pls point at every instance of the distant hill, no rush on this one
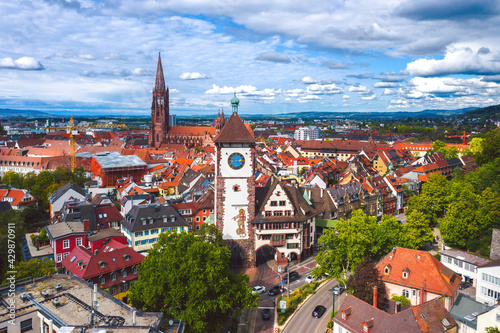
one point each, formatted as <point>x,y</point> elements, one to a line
<point>490,112</point>
<point>6,113</point>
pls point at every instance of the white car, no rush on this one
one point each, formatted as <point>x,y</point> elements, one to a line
<point>258,289</point>
<point>310,279</point>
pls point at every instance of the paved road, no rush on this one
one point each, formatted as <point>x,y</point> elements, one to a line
<point>303,321</point>
<point>268,278</point>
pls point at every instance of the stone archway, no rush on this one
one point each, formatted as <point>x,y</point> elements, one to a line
<point>263,254</point>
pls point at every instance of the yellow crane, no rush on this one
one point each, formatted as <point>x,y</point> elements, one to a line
<point>71,128</point>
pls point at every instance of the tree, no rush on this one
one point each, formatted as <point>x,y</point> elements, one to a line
<point>492,329</point>
<point>490,148</point>
<point>346,246</point>
<point>433,199</point>
<point>187,276</point>
<point>34,269</point>
<point>402,299</point>
<point>12,179</point>
<point>441,147</point>
<point>363,280</point>
<point>11,223</point>
<point>388,235</point>
<point>416,231</point>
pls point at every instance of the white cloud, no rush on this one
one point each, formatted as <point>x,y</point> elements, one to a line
<point>346,97</point>
<point>385,85</point>
<point>457,61</point>
<point>388,91</point>
<point>358,88</point>
<point>369,97</point>
<point>193,76</point>
<point>24,63</point>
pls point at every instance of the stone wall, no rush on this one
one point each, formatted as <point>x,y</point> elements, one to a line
<point>495,245</point>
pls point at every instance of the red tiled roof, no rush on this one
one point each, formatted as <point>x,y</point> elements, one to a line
<point>235,131</point>
<point>191,130</point>
<point>424,271</point>
<point>93,267</point>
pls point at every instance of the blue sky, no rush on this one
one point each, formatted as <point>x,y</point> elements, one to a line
<point>278,56</point>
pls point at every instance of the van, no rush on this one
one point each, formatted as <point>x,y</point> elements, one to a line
<point>293,276</point>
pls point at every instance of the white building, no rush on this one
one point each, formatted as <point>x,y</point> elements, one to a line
<point>488,282</point>
<point>307,133</point>
<point>463,263</point>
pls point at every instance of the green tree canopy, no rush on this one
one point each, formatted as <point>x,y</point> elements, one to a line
<point>490,148</point>
<point>433,199</point>
<point>34,269</point>
<point>347,245</point>
<point>12,179</point>
<point>187,277</point>
<point>416,231</point>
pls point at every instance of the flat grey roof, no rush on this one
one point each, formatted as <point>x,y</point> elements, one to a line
<point>110,160</point>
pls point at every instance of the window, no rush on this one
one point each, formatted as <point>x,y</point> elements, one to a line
<point>79,241</point>
<point>113,276</point>
<point>292,246</point>
<point>211,210</point>
<point>414,293</point>
<point>204,211</point>
<point>103,279</point>
<point>134,270</point>
<point>406,293</point>
<point>124,287</point>
<point>146,233</point>
<point>143,242</point>
<point>65,255</point>
<point>274,203</point>
<point>59,257</point>
<point>204,218</point>
<point>72,259</point>
<point>66,244</point>
<point>277,213</point>
<point>197,227</point>
<point>282,203</point>
<point>26,325</point>
<point>405,275</point>
<point>124,273</point>
<point>114,290</point>
<point>3,329</point>
<point>197,219</point>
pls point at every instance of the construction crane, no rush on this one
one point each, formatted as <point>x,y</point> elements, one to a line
<point>72,128</point>
<point>459,136</point>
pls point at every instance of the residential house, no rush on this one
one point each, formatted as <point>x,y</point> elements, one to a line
<point>354,315</point>
<point>65,236</point>
<point>65,193</point>
<point>18,199</point>
<point>143,223</point>
<point>488,282</point>
<point>463,263</point>
<point>114,266</point>
<point>418,276</point>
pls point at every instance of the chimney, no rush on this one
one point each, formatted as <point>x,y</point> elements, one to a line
<point>96,252</point>
<point>375,296</point>
<point>86,224</point>
<point>422,292</point>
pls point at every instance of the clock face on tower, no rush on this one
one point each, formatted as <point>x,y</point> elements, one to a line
<point>236,161</point>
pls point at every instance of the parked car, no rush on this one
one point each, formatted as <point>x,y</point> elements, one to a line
<point>464,285</point>
<point>266,315</point>
<point>276,290</point>
<point>258,289</point>
<point>310,279</point>
<point>318,311</point>
<point>293,276</point>
<point>337,290</point>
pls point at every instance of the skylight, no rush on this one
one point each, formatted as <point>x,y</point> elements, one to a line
<point>72,259</point>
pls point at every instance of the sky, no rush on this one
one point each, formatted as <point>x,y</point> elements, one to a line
<point>279,56</point>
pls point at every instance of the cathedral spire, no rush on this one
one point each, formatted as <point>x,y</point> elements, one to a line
<point>160,79</point>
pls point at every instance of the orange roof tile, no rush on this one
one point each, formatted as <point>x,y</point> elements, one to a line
<point>423,271</point>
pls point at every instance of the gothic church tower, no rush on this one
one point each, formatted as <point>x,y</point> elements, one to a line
<point>160,111</point>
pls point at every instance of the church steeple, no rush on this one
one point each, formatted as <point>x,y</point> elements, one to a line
<point>160,79</point>
<point>160,109</point>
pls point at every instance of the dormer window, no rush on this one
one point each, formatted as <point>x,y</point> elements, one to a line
<point>165,218</point>
<point>387,269</point>
<point>102,264</point>
<point>406,272</point>
<point>172,218</point>
<point>236,188</point>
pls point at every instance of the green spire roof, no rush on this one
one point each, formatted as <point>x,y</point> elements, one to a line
<point>235,100</point>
